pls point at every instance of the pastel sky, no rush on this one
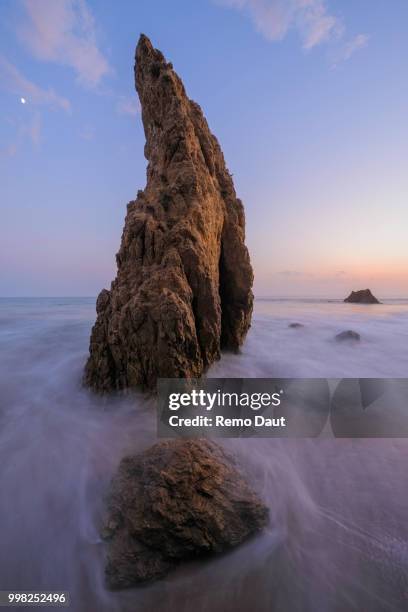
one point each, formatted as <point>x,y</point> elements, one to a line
<point>308,98</point>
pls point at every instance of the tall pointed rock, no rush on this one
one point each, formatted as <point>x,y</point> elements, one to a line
<point>183,286</point>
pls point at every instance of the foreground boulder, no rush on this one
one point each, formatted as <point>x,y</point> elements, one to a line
<point>364,296</point>
<point>178,500</point>
<point>183,285</point>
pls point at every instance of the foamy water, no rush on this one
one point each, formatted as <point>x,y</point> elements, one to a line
<point>275,350</point>
<point>338,535</point>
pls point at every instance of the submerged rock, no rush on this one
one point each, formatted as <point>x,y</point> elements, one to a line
<point>178,500</point>
<point>364,296</point>
<point>348,335</point>
<point>183,285</point>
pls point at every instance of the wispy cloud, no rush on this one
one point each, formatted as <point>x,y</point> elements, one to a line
<point>87,133</point>
<point>63,31</point>
<point>274,19</point>
<point>9,150</point>
<point>294,274</point>
<point>128,106</point>
<point>25,131</point>
<point>289,273</point>
<point>12,80</point>
<point>358,42</point>
<point>312,19</point>
<point>34,130</point>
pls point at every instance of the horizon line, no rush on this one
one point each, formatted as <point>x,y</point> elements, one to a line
<point>256,297</point>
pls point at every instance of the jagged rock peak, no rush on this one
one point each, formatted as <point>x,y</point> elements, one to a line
<point>183,285</point>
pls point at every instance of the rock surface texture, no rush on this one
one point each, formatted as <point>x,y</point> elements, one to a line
<point>183,285</point>
<point>364,296</point>
<point>178,500</point>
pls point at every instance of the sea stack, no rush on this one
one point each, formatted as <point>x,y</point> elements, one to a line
<point>364,296</point>
<point>183,286</point>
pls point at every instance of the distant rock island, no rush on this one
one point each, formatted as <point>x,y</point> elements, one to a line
<point>183,286</point>
<point>364,296</point>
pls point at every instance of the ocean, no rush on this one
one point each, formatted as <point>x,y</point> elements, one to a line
<point>338,534</point>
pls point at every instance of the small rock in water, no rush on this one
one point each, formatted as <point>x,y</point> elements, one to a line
<point>177,500</point>
<point>295,325</point>
<point>364,296</point>
<point>348,335</point>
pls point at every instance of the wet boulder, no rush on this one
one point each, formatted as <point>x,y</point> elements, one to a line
<point>178,500</point>
<point>348,335</point>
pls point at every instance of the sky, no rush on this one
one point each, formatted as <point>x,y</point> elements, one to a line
<point>308,98</point>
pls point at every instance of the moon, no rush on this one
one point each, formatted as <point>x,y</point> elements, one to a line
<point>23,100</point>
